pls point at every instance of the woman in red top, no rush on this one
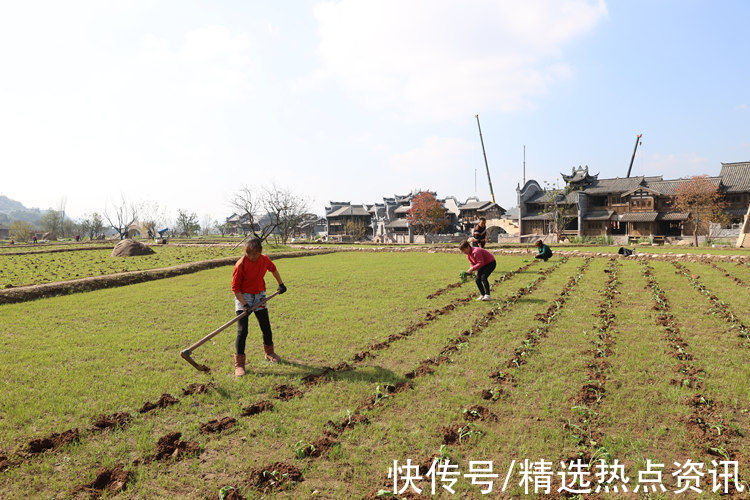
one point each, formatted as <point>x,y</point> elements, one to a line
<point>249,289</point>
<point>483,263</point>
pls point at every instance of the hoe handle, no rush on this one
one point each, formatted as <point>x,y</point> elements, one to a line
<point>228,324</point>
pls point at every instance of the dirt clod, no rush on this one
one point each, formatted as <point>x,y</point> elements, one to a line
<point>197,389</point>
<point>53,441</point>
<point>4,462</point>
<point>477,412</point>
<point>286,392</point>
<point>118,419</point>
<point>256,408</point>
<point>164,401</point>
<point>218,425</point>
<point>170,446</point>
<point>275,477</point>
<point>111,481</point>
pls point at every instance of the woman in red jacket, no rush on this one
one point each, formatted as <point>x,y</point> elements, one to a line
<point>483,263</point>
<point>249,289</point>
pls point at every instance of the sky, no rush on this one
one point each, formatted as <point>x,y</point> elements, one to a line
<point>183,102</point>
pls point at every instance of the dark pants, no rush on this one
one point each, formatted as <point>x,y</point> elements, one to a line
<point>482,274</point>
<point>265,326</point>
<point>544,256</point>
<point>479,243</point>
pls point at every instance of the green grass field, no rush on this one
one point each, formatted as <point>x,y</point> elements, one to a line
<point>34,269</point>
<point>592,359</point>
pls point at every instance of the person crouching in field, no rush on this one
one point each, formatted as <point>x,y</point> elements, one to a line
<point>544,251</point>
<point>249,289</point>
<point>483,263</point>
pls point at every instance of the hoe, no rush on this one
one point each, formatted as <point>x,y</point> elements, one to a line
<point>187,353</point>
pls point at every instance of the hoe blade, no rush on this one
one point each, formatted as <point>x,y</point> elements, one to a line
<point>186,356</point>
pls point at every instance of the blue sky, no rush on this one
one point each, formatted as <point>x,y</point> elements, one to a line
<point>181,102</point>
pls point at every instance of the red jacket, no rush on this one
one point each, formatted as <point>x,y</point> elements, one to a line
<point>248,275</point>
<point>479,257</point>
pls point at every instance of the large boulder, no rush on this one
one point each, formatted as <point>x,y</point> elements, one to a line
<point>130,248</point>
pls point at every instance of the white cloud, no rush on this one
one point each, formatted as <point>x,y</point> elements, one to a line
<point>741,107</point>
<point>444,59</point>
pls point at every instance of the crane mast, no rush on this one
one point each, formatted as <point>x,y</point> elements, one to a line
<point>492,192</point>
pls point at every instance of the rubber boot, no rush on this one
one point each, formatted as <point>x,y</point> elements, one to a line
<point>270,355</point>
<point>239,365</point>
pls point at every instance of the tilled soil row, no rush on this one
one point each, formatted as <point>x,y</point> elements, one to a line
<point>454,433</point>
<point>58,250</point>
<point>326,373</point>
<point>283,393</point>
<point>32,292</point>
<point>334,429</point>
<point>583,424</point>
<point>441,291</point>
<point>706,425</point>
<point>726,273</point>
<point>720,307</point>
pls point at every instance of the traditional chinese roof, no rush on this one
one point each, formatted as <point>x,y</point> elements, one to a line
<point>639,216</point>
<point>599,215</point>
<point>474,205</point>
<point>540,216</point>
<point>579,176</point>
<point>351,210</point>
<point>736,177</point>
<point>403,209</point>
<point>397,223</point>
<point>674,216</point>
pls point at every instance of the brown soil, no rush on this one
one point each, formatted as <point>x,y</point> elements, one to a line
<point>164,401</point>
<point>420,371</point>
<point>111,481</point>
<point>4,462</point>
<point>275,477</point>
<point>450,434</point>
<point>477,412</point>
<point>170,446</point>
<point>487,394</point>
<point>53,441</point>
<point>103,421</point>
<point>219,425</point>
<point>321,445</point>
<point>361,356</point>
<point>256,408</point>
<point>234,495</point>
<point>590,394</point>
<point>317,378</point>
<point>348,422</point>
<point>287,392</point>
<point>198,389</point>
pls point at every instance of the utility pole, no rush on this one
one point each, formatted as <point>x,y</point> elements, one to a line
<point>524,164</point>
<point>632,158</point>
<point>486,166</point>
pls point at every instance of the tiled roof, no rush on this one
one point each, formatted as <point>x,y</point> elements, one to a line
<point>398,223</point>
<point>599,215</point>
<point>403,209</point>
<point>736,176</point>
<point>474,205</point>
<point>673,216</point>
<point>539,216</point>
<point>639,216</point>
<point>352,210</point>
<point>737,211</point>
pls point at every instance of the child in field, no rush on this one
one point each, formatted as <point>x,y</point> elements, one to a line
<point>483,263</point>
<point>480,233</point>
<point>249,289</point>
<point>544,251</point>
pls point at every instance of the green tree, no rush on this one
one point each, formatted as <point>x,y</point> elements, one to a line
<point>20,231</point>
<point>186,224</point>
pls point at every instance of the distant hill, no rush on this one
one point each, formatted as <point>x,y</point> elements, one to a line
<point>12,210</point>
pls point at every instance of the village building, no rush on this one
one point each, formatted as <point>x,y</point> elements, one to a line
<point>387,222</point>
<point>625,208</point>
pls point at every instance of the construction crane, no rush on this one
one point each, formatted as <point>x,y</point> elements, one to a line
<point>492,192</point>
<point>632,158</point>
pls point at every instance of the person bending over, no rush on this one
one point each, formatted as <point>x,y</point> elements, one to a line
<point>482,263</point>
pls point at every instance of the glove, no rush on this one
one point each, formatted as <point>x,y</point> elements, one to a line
<point>282,288</point>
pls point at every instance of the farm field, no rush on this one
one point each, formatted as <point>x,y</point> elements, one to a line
<point>388,358</point>
<point>34,269</point>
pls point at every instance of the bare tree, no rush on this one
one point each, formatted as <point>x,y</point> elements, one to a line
<point>152,216</point>
<point>250,206</point>
<point>284,209</point>
<point>121,215</point>
<point>207,224</point>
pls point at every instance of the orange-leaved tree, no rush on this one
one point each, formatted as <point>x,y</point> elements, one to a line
<point>703,200</point>
<point>426,213</point>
